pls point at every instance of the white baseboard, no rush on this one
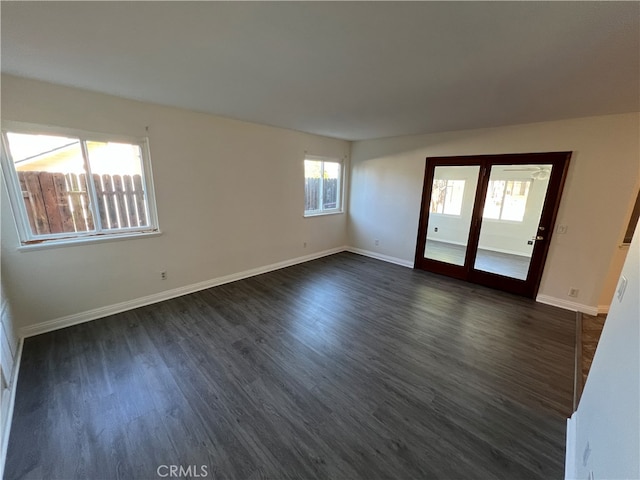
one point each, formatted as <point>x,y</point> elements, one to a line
<point>100,312</point>
<point>6,425</point>
<point>380,256</point>
<point>570,456</point>
<point>567,305</point>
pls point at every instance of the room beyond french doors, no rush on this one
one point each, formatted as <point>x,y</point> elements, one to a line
<point>488,219</point>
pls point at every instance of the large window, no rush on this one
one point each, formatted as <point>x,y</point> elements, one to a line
<point>446,196</point>
<point>507,199</point>
<point>322,186</point>
<point>74,186</point>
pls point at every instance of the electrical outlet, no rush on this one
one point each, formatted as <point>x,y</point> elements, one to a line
<point>435,229</point>
<point>573,292</point>
<point>377,242</point>
<point>163,275</point>
<point>622,286</point>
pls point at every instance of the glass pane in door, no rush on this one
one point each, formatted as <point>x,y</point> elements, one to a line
<point>511,218</point>
<point>452,197</point>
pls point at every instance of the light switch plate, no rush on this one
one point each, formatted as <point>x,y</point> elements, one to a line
<point>622,286</point>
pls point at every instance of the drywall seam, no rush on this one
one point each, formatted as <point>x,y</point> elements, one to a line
<point>100,312</point>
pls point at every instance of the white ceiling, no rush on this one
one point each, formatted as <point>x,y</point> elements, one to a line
<point>351,70</point>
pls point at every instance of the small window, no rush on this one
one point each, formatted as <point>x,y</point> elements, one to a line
<point>507,200</point>
<point>446,197</point>
<point>77,186</point>
<point>322,186</point>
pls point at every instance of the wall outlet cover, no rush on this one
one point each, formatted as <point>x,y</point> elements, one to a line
<point>622,286</point>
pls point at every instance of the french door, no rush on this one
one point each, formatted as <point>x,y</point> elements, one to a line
<point>488,219</point>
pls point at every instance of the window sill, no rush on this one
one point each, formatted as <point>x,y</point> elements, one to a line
<point>68,242</point>
<point>323,214</point>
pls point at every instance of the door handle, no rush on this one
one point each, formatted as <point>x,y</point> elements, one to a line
<point>539,237</point>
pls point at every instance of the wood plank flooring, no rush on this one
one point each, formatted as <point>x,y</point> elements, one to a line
<point>340,368</point>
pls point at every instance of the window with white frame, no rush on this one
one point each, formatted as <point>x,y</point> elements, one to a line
<point>322,185</point>
<point>507,200</point>
<point>447,196</point>
<point>68,185</point>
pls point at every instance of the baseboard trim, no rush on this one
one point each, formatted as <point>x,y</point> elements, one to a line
<point>380,256</point>
<point>6,428</point>
<point>567,305</point>
<point>89,315</point>
<point>603,309</point>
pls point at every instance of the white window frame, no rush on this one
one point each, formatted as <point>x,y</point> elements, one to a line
<point>339,187</point>
<point>444,203</point>
<point>504,194</point>
<point>29,240</point>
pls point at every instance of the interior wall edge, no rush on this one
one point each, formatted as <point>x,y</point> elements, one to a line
<point>96,313</point>
<point>570,462</point>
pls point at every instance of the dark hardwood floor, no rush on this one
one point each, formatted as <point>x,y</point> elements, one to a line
<point>344,367</point>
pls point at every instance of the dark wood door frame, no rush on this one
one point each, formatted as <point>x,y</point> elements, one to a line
<point>528,287</point>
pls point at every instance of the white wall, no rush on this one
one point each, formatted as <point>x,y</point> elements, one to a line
<point>387,176</point>
<point>8,361</point>
<point>616,264</point>
<point>607,422</point>
<point>230,198</point>
<point>8,342</point>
